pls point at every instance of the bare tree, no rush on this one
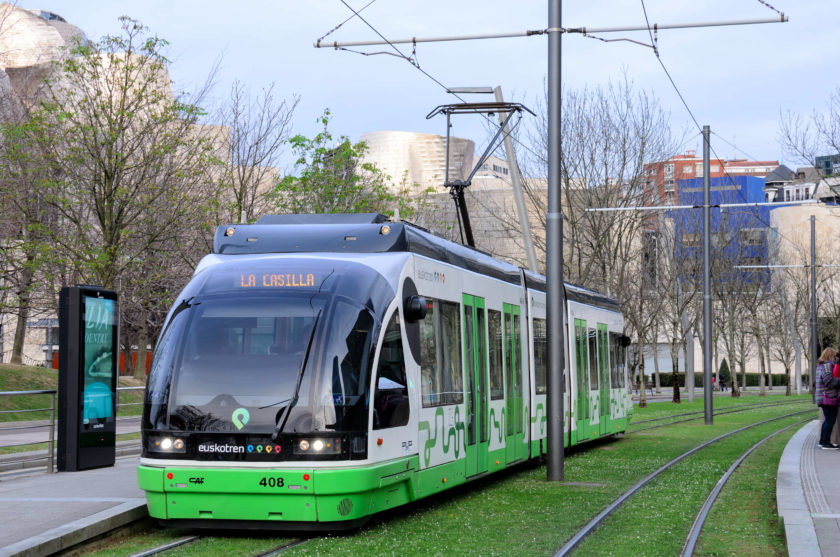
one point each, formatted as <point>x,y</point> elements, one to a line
<point>806,137</point>
<point>258,132</point>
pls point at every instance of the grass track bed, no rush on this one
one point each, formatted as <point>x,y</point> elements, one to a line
<point>656,520</point>
<point>519,513</point>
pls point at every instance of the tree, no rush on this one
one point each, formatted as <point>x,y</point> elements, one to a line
<point>120,143</point>
<point>804,138</point>
<point>333,178</point>
<point>258,131</point>
<point>25,249</point>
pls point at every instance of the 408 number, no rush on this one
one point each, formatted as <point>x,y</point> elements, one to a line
<point>272,482</point>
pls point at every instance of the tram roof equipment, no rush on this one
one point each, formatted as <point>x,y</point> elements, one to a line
<point>374,233</point>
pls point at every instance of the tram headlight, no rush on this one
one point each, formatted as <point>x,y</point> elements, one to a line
<point>318,446</point>
<point>166,444</point>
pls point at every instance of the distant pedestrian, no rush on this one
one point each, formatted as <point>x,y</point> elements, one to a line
<point>827,395</point>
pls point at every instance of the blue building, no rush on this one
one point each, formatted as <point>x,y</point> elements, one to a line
<point>739,235</point>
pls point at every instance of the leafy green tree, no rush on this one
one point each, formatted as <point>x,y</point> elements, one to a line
<point>124,150</point>
<point>723,372</point>
<point>333,177</point>
<point>26,254</point>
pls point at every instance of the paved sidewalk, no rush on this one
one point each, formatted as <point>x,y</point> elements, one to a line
<point>808,495</point>
<point>44,513</point>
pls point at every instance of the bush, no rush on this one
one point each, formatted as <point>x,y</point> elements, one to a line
<point>724,373</point>
<point>666,379</point>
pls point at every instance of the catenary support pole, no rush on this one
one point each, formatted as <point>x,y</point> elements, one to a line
<point>519,197</point>
<point>814,345</point>
<point>707,296</point>
<point>554,248</point>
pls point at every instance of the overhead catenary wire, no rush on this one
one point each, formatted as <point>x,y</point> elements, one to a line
<point>651,32</point>
<point>413,62</point>
<point>337,27</point>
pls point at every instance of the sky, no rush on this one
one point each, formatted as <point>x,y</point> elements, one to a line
<point>736,79</point>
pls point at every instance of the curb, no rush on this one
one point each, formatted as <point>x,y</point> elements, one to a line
<point>78,531</point>
<point>794,514</point>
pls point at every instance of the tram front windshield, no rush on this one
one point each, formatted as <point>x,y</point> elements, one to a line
<point>263,364</point>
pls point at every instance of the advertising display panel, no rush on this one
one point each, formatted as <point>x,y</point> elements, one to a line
<point>88,353</point>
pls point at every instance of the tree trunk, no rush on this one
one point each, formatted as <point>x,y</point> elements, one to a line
<point>657,382</point>
<point>761,388</point>
<point>142,341</point>
<point>642,381</point>
<point>675,376</point>
<point>20,330</point>
<point>26,278</point>
<point>787,380</point>
<point>769,362</point>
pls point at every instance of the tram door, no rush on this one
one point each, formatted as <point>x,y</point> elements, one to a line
<point>475,364</point>
<point>604,375</point>
<point>515,431</point>
<point>586,381</point>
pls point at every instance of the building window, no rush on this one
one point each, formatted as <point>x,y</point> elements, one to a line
<point>669,170</point>
<point>752,236</point>
<point>691,239</point>
<point>688,169</point>
<point>787,195</point>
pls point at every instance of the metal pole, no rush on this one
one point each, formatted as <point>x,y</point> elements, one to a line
<point>814,347</point>
<point>51,444</point>
<point>707,296</point>
<point>535,32</point>
<point>446,175</point>
<point>554,249</point>
<point>516,181</point>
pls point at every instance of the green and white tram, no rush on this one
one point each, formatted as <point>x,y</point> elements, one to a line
<point>319,369</point>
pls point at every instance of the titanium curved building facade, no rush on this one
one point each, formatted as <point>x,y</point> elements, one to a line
<point>417,161</point>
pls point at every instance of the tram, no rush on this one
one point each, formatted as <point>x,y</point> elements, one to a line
<point>319,369</point>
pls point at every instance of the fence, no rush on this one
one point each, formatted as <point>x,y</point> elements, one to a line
<point>34,456</point>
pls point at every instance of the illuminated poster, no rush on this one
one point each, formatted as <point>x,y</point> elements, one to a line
<point>100,327</point>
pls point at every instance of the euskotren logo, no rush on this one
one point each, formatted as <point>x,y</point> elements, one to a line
<point>240,417</point>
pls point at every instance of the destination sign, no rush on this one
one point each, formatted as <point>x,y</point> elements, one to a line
<point>276,280</point>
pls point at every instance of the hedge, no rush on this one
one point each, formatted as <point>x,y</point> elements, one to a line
<point>666,379</point>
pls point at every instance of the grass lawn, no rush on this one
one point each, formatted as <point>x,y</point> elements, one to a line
<point>28,378</point>
<point>518,512</point>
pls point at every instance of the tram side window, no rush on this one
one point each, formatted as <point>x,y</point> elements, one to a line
<point>442,381</point>
<point>580,354</point>
<point>497,379</point>
<point>617,360</point>
<point>390,401</point>
<point>604,357</point>
<point>593,361</point>
<point>540,356</point>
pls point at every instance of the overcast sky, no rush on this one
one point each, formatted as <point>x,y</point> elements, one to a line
<point>735,79</point>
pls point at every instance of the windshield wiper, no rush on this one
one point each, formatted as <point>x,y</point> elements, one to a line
<point>288,410</point>
<point>186,303</point>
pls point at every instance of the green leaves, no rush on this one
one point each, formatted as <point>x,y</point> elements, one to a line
<point>332,177</point>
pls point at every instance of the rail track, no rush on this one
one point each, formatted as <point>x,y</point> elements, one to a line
<point>584,532</point>
<point>163,548</point>
<point>699,414</point>
<point>700,520</point>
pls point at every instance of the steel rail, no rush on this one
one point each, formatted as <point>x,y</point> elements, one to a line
<point>599,518</point>
<point>745,406</point>
<point>166,547</point>
<point>700,519</point>
<point>281,548</point>
<point>734,411</point>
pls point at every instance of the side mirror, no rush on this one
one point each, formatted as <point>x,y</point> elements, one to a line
<point>625,341</point>
<point>414,308</point>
